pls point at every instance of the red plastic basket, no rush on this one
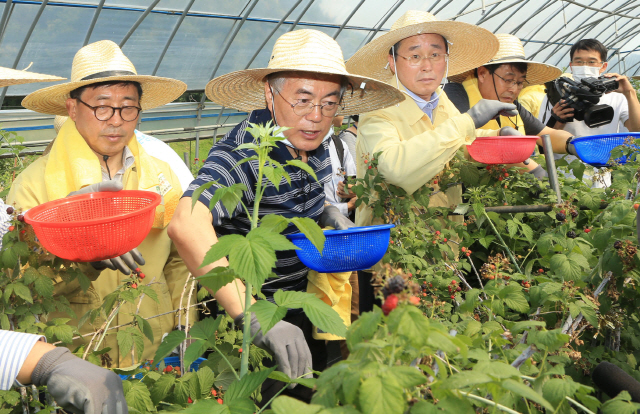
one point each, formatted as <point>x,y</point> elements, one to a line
<point>94,226</point>
<point>502,150</point>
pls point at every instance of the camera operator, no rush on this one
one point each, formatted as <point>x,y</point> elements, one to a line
<point>588,61</point>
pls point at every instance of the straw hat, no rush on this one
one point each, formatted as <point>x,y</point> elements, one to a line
<point>301,51</point>
<point>103,61</point>
<point>469,46</point>
<point>10,77</point>
<point>512,51</point>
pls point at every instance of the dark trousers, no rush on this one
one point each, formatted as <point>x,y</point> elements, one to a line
<point>318,350</point>
<point>367,298</point>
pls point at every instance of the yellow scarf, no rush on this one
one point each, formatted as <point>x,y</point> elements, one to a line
<point>72,165</point>
<point>473,92</point>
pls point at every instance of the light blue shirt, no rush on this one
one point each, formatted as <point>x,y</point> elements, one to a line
<point>425,106</point>
<point>14,349</point>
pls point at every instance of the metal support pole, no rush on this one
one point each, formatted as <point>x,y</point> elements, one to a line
<point>551,166</point>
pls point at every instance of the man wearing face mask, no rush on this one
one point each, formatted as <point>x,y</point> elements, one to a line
<point>588,60</point>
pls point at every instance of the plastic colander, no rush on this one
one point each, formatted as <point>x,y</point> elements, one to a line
<point>502,150</point>
<point>596,149</point>
<point>357,248</point>
<point>94,226</point>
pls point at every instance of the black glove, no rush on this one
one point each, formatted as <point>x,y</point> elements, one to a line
<point>287,344</point>
<point>509,132</point>
<point>539,172</point>
<point>485,110</point>
<point>79,386</point>
<point>332,217</point>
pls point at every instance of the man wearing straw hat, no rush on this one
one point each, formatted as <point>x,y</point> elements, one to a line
<point>418,137</point>
<point>304,86</point>
<point>96,150</point>
<point>502,79</point>
<point>76,385</point>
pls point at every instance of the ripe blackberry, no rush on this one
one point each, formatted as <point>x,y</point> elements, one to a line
<point>10,210</point>
<point>574,213</point>
<point>571,234</point>
<point>617,244</point>
<point>20,217</point>
<point>395,284</point>
<point>561,216</point>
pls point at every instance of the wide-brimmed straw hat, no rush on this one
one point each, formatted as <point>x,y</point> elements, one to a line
<point>103,61</point>
<point>10,77</point>
<point>302,51</point>
<point>469,46</point>
<point>512,51</point>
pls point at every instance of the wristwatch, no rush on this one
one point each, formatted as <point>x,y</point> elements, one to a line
<point>566,144</point>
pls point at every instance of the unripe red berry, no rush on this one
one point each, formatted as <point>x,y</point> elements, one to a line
<point>390,303</point>
<point>189,401</point>
<point>11,228</point>
<point>134,285</point>
<point>587,230</point>
<point>219,400</point>
<point>141,275</point>
<point>369,167</point>
<point>214,392</point>
<point>414,300</point>
<point>453,297</point>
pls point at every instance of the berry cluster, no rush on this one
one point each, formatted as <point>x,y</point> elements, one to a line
<point>497,267</point>
<point>498,172</point>
<point>397,287</point>
<point>627,252</point>
<point>466,251</point>
<point>15,216</point>
<point>137,276</point>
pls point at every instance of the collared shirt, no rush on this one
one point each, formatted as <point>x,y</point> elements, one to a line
<point>127,161</point>
<point>303,197</point>
<point>14,349</point>
<point>337,175</point>
<point>425,106</point>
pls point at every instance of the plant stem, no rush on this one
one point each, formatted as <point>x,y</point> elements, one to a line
<point>494,404</point>
<point>226,360</point>
<point>577,404</point>
<point>272,398</point>
<point>513,259</point>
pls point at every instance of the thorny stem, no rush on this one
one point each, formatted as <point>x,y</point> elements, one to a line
<point>227,361</point>
<point>486,401</point>
<point>577,404</point>
<point>513,259</point>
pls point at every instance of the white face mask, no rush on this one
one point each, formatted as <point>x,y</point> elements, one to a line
<point>582,72</point>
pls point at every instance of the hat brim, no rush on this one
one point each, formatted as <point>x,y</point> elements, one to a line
<point>9,77</point>
<point>470,46</point>
<point>156,91</point>
<point>244,90</point>
<point>537,73</point>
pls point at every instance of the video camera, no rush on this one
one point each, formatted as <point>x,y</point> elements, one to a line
<point>583,97</point>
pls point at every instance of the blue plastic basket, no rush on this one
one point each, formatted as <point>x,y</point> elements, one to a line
<point>357,248</point>
<point>596,149</point>
<point>173,361</point>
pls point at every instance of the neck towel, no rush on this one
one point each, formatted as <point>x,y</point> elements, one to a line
<point>73,165</point>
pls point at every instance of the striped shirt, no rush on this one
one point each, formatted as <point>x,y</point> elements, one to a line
<point>14,349</point>
<point>304,197</point>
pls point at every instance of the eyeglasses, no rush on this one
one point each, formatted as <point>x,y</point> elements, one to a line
<point>591,62</point>
<point>304,107</point>
<point>415,60</point>
<point>104,112</point>
<point>511,83</point>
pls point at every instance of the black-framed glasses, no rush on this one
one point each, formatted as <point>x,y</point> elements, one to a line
<point>512,83</point>
<point>304,106</point>
<point>105,112</point>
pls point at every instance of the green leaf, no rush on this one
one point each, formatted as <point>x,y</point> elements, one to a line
<point>205,379</point>
<point>512,227</point>
<point>194,351</point>
<point>272,175</point>
<point>364,328</point>
<point>496,369</point>
<point>253,258</point>
<point>222,248</point>
<point>247,385</point>
<point>268,314</point>
<point>206,329</point>
<point>274,223</point>
<point>324,317</point>
<point>526,392</point>
<point>564,268</point>
<point>22,291</point>
<point>125,341</point>
<point>203,407</point>
<point>469,174</point>
<point>556,389</point>
<point>621,404</point>
<point>229,196</point>
<point>311,230</point>
<point>198,191</point>
<point>161,388</point>
<point>277,241</point>
<point>291,299</point>
<point>170,341</point>
<point>217,277</point>
<point>378,397</point>
<point>288,405</point>
<point>465,379</point>
<point>139,398</point>
<point>407,377</point>
<point>303,166</point>
<point>145,327</point>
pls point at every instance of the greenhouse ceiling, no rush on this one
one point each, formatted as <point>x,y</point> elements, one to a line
<point>195,40</point>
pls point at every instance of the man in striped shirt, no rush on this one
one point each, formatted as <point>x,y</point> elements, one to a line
<point>76,385</point>
<point>304,87</point>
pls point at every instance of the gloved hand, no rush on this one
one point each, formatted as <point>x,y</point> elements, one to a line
<point>485,110</point>
<point>287,344</point>
<point>79,386</point>
<point>332,217</point>
<point>125,263</point>
<point>103,186</point>
<point>509,132</point>
<point>539,172</point>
